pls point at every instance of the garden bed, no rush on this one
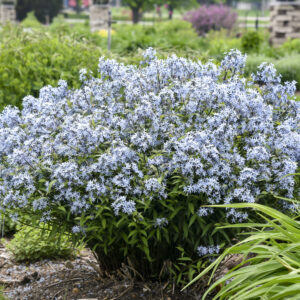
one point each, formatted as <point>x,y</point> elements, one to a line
<point>76,279</point>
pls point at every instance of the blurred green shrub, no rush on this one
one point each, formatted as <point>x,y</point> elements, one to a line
<point>33,244</point>
<point>251,41</point>
<point>31,21</point>
<point>287,66</point>
<point>78,30</point>
<point>40,58</point>
<point>176,35</point>
<point>291,46</point>
<point>7,226</point>
<point>219,42</point>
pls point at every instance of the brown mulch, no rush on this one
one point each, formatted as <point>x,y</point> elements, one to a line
<point>77,279</point>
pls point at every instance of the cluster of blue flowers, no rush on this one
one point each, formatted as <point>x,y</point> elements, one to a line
<point>124,134</point>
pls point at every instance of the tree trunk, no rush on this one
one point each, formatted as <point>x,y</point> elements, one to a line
<point>171,10</point>
<point>78,8</point>
<point>135,14</point>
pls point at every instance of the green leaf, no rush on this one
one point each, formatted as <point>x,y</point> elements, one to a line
<point>192,220</point>
<point>50,186</point>
<point>191,208</point>
<point>103,222</point>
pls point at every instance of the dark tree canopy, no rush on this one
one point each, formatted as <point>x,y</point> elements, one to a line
<point>41,8</point>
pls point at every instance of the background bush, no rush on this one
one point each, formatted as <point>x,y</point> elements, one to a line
<point>251,41</point>
<point>287,66</point>
<point>213,17</point>
<point>40,58</point>
<point>7,225</point>
<point>176,35</point>
<point>33,244</point>
<point>291,46</point>
<point>219,42</point>
<point>31,21</point>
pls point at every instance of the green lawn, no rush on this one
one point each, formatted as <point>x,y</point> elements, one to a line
<point>252,13</point>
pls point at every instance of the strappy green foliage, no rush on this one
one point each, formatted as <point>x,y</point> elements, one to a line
<point>272,271</point>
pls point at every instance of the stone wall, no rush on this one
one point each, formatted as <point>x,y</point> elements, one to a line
<point>99,15</point>
<point>284,21</point>
<point>7,11</point>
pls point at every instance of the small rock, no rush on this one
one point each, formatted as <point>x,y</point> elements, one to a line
<point>25,280</point>
<point>69,265</point>
<point>35,275</point>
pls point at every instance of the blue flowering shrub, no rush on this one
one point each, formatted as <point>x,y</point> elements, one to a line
<point>126,161</point>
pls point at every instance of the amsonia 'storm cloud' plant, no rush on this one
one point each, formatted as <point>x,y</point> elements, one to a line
<point>127,160</point>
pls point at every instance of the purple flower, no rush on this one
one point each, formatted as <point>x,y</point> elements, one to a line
<point>213,17</point>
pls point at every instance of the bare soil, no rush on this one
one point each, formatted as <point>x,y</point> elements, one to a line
<point>77,279</point>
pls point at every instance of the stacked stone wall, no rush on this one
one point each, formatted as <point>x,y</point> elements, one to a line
<point>99,15</point>
<point>7,11</point>
<point>284,21</point>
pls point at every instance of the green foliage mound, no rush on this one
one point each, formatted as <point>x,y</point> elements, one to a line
<point>251,41</point>
<point>287,66</point>
<point>291,46</point>
<point>177,35</point>
<point>38,58</point>
<point>219,42</point>
<point>33,244</point>
<point>7,226</point>
<point>31,21</point>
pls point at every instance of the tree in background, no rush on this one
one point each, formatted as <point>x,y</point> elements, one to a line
<point>172,4</point>
<point>78,6</point>
<point>42,9</point>
<point>137,6</point>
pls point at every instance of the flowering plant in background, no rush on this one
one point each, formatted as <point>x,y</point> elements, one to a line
<point>212,17</point>
<point>104,33</point>
<point>127,161</point>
